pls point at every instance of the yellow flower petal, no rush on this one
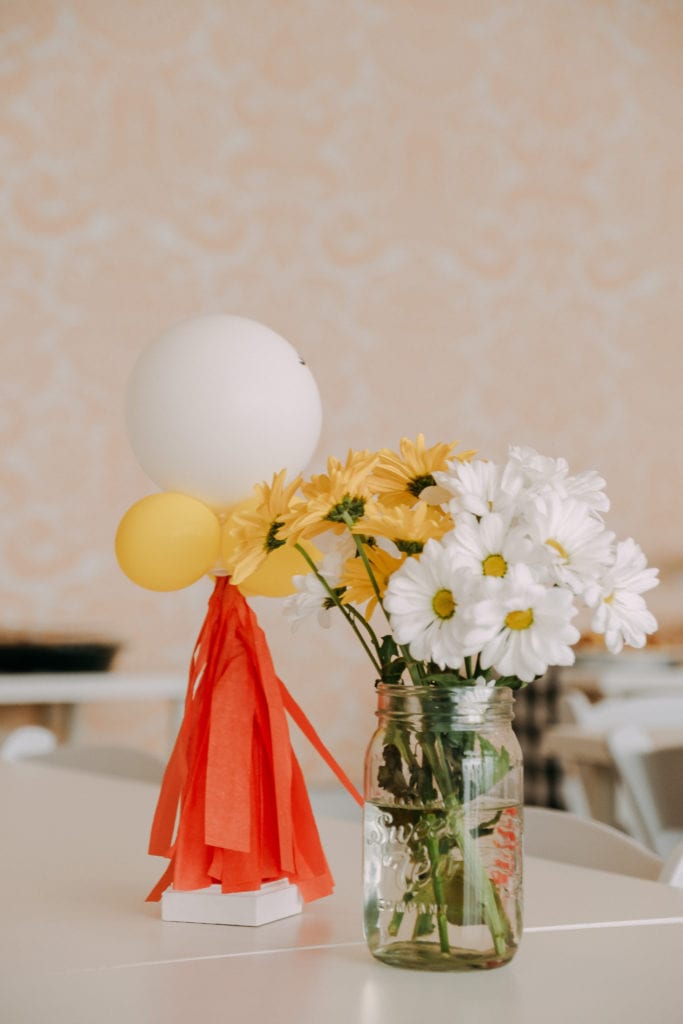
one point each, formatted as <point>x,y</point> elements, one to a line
<point>332,496</point>
<point>359,588</point>
<point>409,527</point>
<point>253,529</point>
<point>400,479</point>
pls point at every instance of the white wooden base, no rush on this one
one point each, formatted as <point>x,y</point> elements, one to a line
<point>272,901</point>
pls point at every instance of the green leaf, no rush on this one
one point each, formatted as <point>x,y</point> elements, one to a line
<point>390,773</point>
<point>392,661</point>
<point>424,925</point>
<point>388,648</point>
<point>421,783</point>
<point>463,905</point>
<point>501,759</point>
<point>497,762</point>
<point>443,679</point>
<point>512,681</point>
<point>487,828</point>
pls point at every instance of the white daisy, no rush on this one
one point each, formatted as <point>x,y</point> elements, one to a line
<point>474,700</point>
<point>487,546</point>
<point>479,487</point>
<point>542,475</point>
<point>312,597</point>
<point>620,611</point>
<point>577,544</point>
<point>521,627</point>
<point>588,487</point>
<point>539,472</point>
<point>422,600</point>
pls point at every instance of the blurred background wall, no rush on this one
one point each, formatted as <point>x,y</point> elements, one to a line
<point>467,216</point>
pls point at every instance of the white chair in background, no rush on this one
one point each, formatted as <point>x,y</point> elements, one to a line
<point>124,762</point>
<point>655,712</point>
<point>641,680</point>
<point>334,802</point>
<point>27,741</point>
<point>672,872</point>
<point>652,778</point>
<point>35,743</point>
<point>588,785</point>
<point>571,839</point>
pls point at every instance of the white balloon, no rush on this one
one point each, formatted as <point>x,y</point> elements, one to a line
<point>219,403</point>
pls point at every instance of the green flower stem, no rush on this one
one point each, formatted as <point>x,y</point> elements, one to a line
<point>395,923</point>
<point>494,915</point>
<point>413,667</point>
<point>360,618</point>
<point>347,615</point>
<point>432,845</point>
<point>396,735</point>
<point>479,671</point>
<point>364,558</point>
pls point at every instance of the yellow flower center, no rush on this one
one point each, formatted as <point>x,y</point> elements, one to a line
<point>558,547</point>
<point>520,619</point>
<point>494,565</point>
<point>610,598</point>
<point>443,604</point>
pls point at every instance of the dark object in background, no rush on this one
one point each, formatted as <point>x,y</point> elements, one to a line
<point>54,654</point>
<point>537,707</point>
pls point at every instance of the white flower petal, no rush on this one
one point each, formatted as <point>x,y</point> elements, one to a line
<point>522,652</point>
<point>620,610</point>
<point>410,604</point>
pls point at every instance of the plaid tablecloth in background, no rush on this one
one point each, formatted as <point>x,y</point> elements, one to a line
<point>536,708</point>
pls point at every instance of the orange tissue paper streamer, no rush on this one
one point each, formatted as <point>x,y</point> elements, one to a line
<point>233,783</point>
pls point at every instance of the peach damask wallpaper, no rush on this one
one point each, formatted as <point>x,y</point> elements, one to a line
<point>467,216</point>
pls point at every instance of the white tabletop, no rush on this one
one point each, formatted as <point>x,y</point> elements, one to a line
<point>87,687</point>
<point>78,943</point>
<point>632,673</point>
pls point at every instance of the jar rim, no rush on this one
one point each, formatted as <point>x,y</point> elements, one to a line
<point>497,693</point>
<point>458,704</point>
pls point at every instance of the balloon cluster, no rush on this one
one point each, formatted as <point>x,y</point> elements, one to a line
<point>214,405</point>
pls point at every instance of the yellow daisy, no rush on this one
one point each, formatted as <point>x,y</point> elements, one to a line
<point>332,496</point>
<point>254,530</point>
<point>359,588</point>
<point>400,479</point>
<point>409,527</point>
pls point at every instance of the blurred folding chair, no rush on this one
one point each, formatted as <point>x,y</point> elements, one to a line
<point>652,778</point>
<point>653,712</point>
<point>334,802</point>
<point>27,741</point>
<point>570,839</point>
<point>594,789</point>
<point>35,743</point>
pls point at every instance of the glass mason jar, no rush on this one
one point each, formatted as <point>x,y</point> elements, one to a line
<point>442,860</point>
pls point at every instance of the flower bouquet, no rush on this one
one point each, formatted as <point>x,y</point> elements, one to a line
<point>476,571</point>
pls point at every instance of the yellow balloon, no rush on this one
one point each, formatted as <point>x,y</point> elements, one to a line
<point>167,541</point>
<point>273,578</point>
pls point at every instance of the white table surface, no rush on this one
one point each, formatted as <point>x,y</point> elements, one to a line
<point>65,692</point>
<point>78,943</point>
<point>632,673</point>
<point>90,687</point>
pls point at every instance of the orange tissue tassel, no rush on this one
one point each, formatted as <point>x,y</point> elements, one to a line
<point>233,782</point>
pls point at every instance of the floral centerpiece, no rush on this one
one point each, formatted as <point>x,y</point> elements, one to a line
<point>476,571</point>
